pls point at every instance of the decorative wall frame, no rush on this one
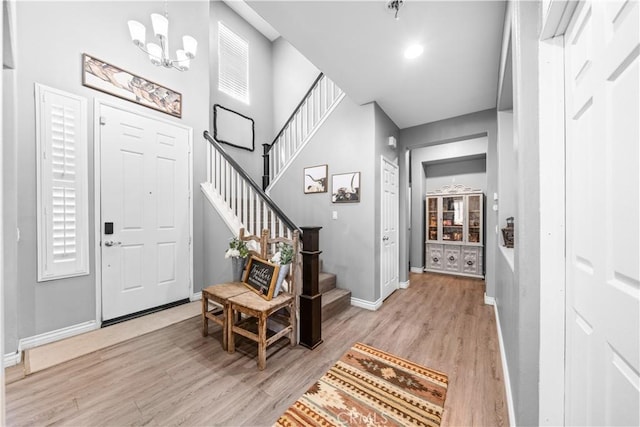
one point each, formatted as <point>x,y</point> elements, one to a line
<point>345,187</point>
<point>233,128</point>
<point>315,179</point>
<point>107,78</point>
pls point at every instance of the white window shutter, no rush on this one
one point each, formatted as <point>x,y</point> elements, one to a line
<point>233,64</point>
<point>63,235</point>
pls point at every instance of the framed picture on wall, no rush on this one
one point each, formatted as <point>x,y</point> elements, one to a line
<point>115,81</point>
<point>345,187</point>
<point>315,179</point>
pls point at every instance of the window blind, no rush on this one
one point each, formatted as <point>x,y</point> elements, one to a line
<point>233,64</point>
<point>63,246</point>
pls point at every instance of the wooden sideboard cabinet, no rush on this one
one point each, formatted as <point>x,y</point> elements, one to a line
<point>455,231</point>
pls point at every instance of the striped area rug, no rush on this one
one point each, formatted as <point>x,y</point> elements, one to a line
<point>369,387</point>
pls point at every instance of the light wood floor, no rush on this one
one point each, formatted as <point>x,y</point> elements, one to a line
<point>174,376</point>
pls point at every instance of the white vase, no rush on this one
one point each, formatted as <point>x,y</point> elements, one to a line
<point>282,274</point>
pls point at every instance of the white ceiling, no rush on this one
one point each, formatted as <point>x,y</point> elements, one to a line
<point>360,46</point>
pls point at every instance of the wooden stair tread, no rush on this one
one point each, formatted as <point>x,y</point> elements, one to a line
<point>333,295</point>
<point>326,282</point>
<point>335,301</point>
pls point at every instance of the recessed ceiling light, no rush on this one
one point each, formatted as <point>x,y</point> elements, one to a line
<point>413,51</point>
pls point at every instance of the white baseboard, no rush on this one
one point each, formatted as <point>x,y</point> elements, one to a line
<point>489,300</point>
<point>57,335</point>
<point>505,368</point>
<point>404,285</point>
<point>196,297</point>
<point>373,306</point>
<point>12,359</point>
<point>417,269</point>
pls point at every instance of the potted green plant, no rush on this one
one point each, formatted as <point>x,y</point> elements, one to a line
<point>238,252</point>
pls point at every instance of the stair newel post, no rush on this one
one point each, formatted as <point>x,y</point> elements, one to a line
<point>311,298</point>
<point>265,165</point>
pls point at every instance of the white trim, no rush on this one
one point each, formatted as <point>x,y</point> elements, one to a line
<point>405,285</point>
<point>505,367</point>
<point>552,210</point>
<point>417,269</point>
<point>12,359</point>
<point>98,104</point>
<point>556,19</point>
<point>195,297</point>
<point>57,335</point>
<point>305,142</point>
<point>373,306</point>
<point>489,300</point>
<point>233,223</point>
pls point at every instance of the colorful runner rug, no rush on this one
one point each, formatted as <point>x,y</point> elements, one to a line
<point>368,387</point>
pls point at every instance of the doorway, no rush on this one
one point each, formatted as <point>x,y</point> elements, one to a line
<point>389,217</point>
<point>144,211</point>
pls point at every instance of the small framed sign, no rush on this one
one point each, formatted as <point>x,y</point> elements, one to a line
<point>261,277</point>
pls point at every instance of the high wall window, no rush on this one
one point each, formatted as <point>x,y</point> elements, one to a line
<point>62,198</point>
<point>233,64</point>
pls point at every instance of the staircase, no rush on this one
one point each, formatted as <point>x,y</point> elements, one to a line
<point>243,204</point>
<point>318,103</point>
<point>334,300</point>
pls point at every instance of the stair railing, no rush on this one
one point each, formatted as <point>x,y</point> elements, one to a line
<point>318,102</point>
<point>243,199</point>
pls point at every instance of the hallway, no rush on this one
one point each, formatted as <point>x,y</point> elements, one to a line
<point>175,376</point>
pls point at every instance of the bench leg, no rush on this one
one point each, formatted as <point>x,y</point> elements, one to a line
<point>262,342</point>
<point>228,340</point>
<point>205,321</point>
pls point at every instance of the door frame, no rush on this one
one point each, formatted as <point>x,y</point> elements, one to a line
<point>553,233</point>
<point>384,160</point>
<point>97,170</point>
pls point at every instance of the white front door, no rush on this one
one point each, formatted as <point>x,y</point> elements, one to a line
<point>602,77</point>
<point>145,225</point>
<point>389,249</point>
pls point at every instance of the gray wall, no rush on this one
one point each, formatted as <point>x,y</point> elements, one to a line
<point>472,173</point>
<point>345,143</point>
<point>292,78</point>
<point>482,123</point>
<point>260,86</point>
<point>56,34</point>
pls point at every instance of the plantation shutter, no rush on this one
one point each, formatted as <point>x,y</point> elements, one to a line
<point>233,64</point>
<point>63,246</point>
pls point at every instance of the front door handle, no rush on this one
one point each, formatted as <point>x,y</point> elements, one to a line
<point>112,243</point>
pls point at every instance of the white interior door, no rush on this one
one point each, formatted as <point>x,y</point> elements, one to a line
<point>603,283</point>
<point>389,249</point>
<point>145,195</point>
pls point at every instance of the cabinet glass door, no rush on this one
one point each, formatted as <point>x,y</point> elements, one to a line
<point>432,218</point>
<point>452,218</point>
<point>474,214</point>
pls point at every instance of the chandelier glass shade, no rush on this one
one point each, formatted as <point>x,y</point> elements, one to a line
<point>159,53</point>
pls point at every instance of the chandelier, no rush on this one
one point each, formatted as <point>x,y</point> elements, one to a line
<point>159,53</point>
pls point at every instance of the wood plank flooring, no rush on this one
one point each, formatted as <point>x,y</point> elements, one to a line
<point>174,376</point>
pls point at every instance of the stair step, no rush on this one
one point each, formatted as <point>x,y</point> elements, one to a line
<point>326,282</point>
<point>335,301</point>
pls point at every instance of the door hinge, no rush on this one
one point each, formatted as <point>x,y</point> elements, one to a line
<point>103,120</point>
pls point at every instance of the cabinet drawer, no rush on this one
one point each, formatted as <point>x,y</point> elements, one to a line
<point>452,258</point>
<point>471,261</point>
<point>434,257</point>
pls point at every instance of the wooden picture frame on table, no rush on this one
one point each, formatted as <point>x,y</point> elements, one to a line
<point>261,277</point>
